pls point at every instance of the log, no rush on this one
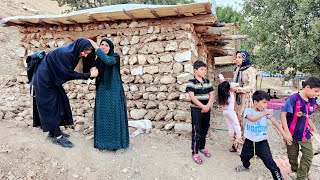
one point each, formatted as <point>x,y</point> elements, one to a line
<point>208,30</point>
<point>223,60</point>
<point>217,51</point>
<point>224,37</point>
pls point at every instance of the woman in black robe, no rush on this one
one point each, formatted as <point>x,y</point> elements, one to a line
<point>51,107</point>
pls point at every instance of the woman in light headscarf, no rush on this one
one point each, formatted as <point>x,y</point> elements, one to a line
<point>110,112</point>
<point>245,75</point>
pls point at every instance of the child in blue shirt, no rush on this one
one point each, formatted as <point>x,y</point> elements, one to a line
<point>256,134</point>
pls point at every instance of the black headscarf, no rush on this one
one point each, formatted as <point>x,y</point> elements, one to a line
<point>105,71</point>
<point>63,60</point>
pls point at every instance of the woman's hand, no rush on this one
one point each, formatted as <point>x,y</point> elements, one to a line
<point>94,44</point>
<point>94,72</point>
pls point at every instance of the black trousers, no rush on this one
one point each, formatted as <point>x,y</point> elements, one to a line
<point>56,132</point>
<point>263,151</point>
<point>200,126</point>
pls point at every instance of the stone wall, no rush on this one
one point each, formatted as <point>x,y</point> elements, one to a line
<point>156,58</point>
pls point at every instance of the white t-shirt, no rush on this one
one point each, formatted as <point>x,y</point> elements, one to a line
<point>256,131</point>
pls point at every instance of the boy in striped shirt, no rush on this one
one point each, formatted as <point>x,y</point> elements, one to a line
<point>200,92</point>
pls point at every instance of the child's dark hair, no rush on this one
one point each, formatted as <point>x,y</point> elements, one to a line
<point>223,93</point>
<point>199,64</point>
<point>313,82</point>
<point>260,95</point>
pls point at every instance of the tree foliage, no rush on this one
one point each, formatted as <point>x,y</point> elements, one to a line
<point>85,4</point>
<point>284,34</point>
<point>229,15</point>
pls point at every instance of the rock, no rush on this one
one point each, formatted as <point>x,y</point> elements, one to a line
<point>171,105</point>
<point>183,128</point>
<point>1,115</point>
<point>151,69</point>
<point>173,96</point>
<point>21,52</point>
<point>185,45</point>
<point>89,137</point>
<point>9,115</point>
<point>142,59</point>
<point>133,24</point>
<point>166,58</point>
<point>152,89</point>
<point>168,79</point>
<point>159,125</point>
<point>136,96</point>
<point>133,88</point>
<point>184,56</point>
<point>22,124</point>
<point>150,115</point>
<point>78,128</point>
<point>183,78</point>
<point>188,68</point>
<point>172,46</point>
<point>161,96</point>
<point>169,126</point>
<point>160,115</point>
<point>151,105</point>
<point>165,68</point>
<point>163,106</point>
<point>35,43</point>
<point>151,38</point>
<point>138,113</point>
<point>125,50</point>
<point>135,40</point>
<point>153,60</point>
<point>88,131</point>
<point>90,96</point>
<point>19,118</point>
<point>152,97</point>
<point>183,87</point>
<point>147,78</point>
<point>182,115</point>
<point>156,47</point>
<point>169,116</point>
<point>177,68</point>
<point>125,170</point>
<point>137,71</point>
<point>184,97</point>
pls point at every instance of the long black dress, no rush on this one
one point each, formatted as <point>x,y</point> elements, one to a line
<point>51,107</point>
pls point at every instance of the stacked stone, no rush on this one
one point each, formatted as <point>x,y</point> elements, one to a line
<point>156,64</point>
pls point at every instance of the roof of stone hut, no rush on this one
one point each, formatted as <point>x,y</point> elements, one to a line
<point>113,13</point>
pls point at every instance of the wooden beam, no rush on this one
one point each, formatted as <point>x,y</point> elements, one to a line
<point>223,37</point>
<point>128,14</point>
<point>177,11</point>
<point>26,22</point>
<point>223,60</point>
<point>217,51</point>
<point>93,20</point>
<point>58,22</point>
<point>73,21</point>
<point>111,18</point>
<point>153,12</point>
<point>43,23</point>
<point>207,8</point>
<point>208,30</point>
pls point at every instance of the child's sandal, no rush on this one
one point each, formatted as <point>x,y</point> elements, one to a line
<point>205,153</point>
<point>197,159</point>
<point>241,168</point>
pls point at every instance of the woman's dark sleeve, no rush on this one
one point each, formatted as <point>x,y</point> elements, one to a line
<point>108,60</point>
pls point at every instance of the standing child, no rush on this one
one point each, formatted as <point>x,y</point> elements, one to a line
<point>256,134</point>
<point>200,92</point>
<point>295,117</point>
<point>226,98</point>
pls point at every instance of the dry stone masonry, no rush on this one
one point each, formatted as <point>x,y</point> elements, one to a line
<point>156,64</point>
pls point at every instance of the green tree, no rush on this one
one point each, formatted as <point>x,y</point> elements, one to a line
<point>229,15</point>
<point>284,34</point>
<point>85,4</point>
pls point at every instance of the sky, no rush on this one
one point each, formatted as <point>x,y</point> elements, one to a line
<point>233,3</point>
